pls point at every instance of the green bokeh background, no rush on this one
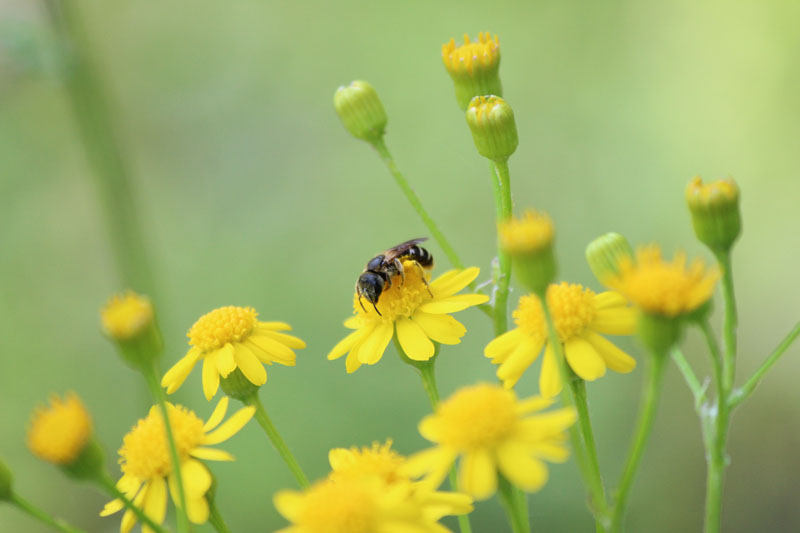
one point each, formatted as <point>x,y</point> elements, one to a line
<point>251,193</point>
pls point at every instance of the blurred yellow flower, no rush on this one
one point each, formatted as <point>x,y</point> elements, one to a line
<point>229,338</point>
<point>126,315</point>
<point>530,233</point>
<point>147,470</point>
<point>417,313</point>
<point>59,433</point>
<point>492,431</point>
<point>580,316</point>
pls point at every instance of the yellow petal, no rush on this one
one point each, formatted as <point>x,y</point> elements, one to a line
<point>520,468</point>
<point>430,428</point>
<point>274,350</point>
<point>372,348</point>
<point>615,321</point>
<point>225,360</point>
<point>452,304</point>
<point>615,359</point>
<point>433,463</point>
<point>584,359</point>
<point>354,322</point>
<point>249,364</point>
<point>608,299</point>
<point>231,426</point>
<point>443,329</point>
<point>155,504</point>
<point>346,344</point>
<point>197,481</point>
<point>289,503</point>
<point>211,454</point>
<point>551,423</point>
<point>533,404</point>
<point>339,458</point>
<point>176,375</point>
<point>553,451</point>
<point>351,363</point>
<point>550,376</point>
<point>518,361</point>
<point>413,340</point>
<point>274,326</point>
<point>217,416</point>
<point>477,474</point>
<point>501,347</point>
<point>453,281</point>
<point>289,340</point>
<point>210,378</point>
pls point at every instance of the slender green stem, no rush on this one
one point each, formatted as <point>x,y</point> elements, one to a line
<point>741,394</point>
<point>731,320</point>
<point>98,132</point>
<point>215,517</point>
<point>589,469</point>
<point>517,515</point>
<point>578,387</point>
<point>151,375</point>
<point>715,443</point>
<point>652,392</point>
<point>107,484</point>
<point>698,390</point>
<point>501,182</point>
<point>42,516</point>
<point>277,441</point>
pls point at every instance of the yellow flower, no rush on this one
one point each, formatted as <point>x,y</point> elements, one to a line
<point>126,315</point>
<point>59,433</point>
<point>474,67</point>
<point>147,470</point>
<point>664,288</point>
<point>580,316</point>
<point>530,233</point>
<point>492,431</point>
<point>229,338</point>
<point>418,314</point>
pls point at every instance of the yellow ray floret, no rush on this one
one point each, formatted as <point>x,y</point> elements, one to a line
<point>59,433</point>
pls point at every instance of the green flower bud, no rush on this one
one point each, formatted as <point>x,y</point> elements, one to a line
<point>129,320</point>
<point>604,254</point>
<point>361,110</point>
<point>6,482</point>
<point>715,212</point>
<point>493,128</point>
<point>529,241</point>
<point>237,386</point>
<point>474,67</point>
<point>659,333</point>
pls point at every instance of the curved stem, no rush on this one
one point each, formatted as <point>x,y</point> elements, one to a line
<point>652,392</point>
<point>698,390</point>
<point>501,182</point>
<point>42,516</point>
<point>215,518</point>
<point>107,484</point>
<point>517,513</point>
<point>277,441</point>
<point>151,375</point>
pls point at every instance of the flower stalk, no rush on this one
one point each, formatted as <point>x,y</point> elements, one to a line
<point>501,183</point>
<point>517,514</point>
<point>107,484</point>
<point>42,516</point>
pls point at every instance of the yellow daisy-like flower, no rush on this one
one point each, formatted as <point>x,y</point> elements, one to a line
<point>664,288</point>
<point>229,338</point>
<point>580,317</point>
<point>59,433</point>
<point>492,431</point>
<point>416,312</point>
<point>147,470</point>
<point>126,315</point>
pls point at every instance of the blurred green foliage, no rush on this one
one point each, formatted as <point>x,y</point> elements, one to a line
<point>252,193</point>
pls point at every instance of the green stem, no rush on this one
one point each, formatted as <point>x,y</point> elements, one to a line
<point>151,375</point>
<point>501,183</point>
<point>590,471</point>
<point>107,484</point>
<point>277,441</point>
<point>698,390</point>
<point>517,515</point>
<point>215,517</point>
<point>42,516</point>
<point>715,443</point>
<point>731,320</point>
<point>652,392</point>
<point>415,202</point>
<point>578,387</point>
<point>741,394</point>
<point>98,132</point>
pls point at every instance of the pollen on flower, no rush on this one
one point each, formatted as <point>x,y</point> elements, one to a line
<point>126,315</point>
<point>60,432</point>
<point>400,300</point>
<point>573,308</point>
<point>478,416</point>
<point>221,326</point>
<point>529,316</point>
<point>145,449</point>
<point>376,460</point>
<point>531,232</point>
<point>483,53</point>
<point>339,507</point>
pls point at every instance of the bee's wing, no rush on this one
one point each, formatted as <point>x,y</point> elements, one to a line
<point>396,251</point>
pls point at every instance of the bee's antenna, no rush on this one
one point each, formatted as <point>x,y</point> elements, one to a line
<point>362,303</point>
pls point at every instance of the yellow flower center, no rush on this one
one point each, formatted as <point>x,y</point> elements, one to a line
<point>126,315</point>
<point>59,433</point>
<point>221,326</point>
<point>378,460</point>
<point>343,506</point>
<point>529,233</point>
<point>480,416</point>
<point>529,316</point>
<point>483,53</point>
<point>145,450</point>
<point>573,308</point>
<point>659,287</point>
<point>399,300</point>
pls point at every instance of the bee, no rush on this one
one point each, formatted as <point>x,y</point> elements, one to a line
<point>382,268</point>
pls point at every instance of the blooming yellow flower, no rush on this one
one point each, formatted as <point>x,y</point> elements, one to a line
<point>580,316</point>
<point>229,338</point>
<point>147,470</point>
<point>474,67</point>
<point>126,315</point>
<point>530,233</point>
<point>492,431</point>
<point>417,313</point>
<point>59,433</point>
<point>664,288</point>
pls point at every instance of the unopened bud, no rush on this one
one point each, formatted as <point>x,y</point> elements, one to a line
<point>605,253</point>
<point>715,212</point>
<point>361,110</point>
<point>493,128</point>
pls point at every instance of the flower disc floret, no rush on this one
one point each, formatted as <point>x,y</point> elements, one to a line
<point>477,417</point>
<point>59,433</point>
<point>222,326</point>
<point>483,53</point>
<point>377,460</point>
<point>530,233</point>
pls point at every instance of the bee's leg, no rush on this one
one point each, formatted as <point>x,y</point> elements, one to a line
<point>422,275</point>
<point>361,303</point>
<point>400,270</point>
<point>376,309</point>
